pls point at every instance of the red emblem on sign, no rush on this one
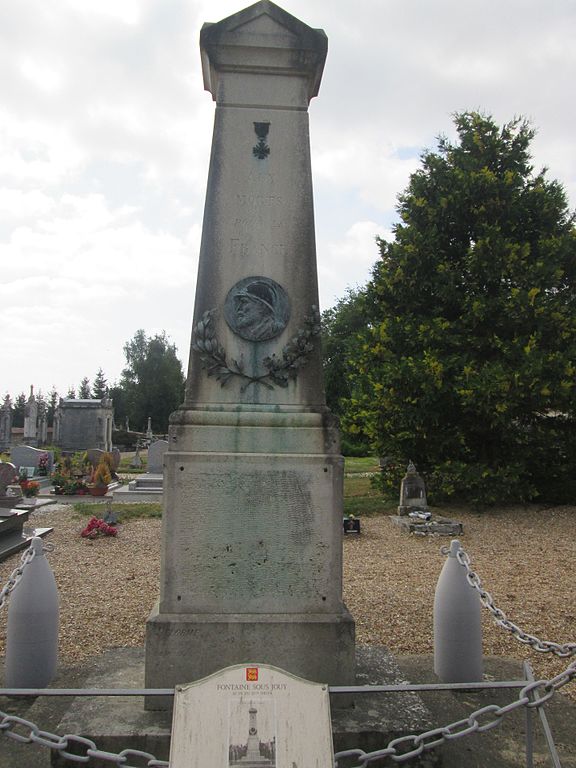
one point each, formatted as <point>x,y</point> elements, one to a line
<point>251,674</point>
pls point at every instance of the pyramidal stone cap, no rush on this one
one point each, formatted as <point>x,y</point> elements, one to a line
<point>263,39</point>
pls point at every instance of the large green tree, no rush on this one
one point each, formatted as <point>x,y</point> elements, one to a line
<point>152,382</point>
<point>469,362</point>
<point>342,327</point>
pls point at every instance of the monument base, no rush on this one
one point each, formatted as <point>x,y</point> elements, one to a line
<point>182,648</point>
<point>120,722</point>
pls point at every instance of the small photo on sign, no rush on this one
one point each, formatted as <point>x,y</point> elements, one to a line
<point>252,732</point>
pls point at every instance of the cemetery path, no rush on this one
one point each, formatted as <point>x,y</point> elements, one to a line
<point>524,557</point>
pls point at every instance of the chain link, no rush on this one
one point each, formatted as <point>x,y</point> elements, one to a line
<point>563,650</point>
<point>33,735</point>
<point>533,695</point>
<point>16,575</point>
<point>399,750</point>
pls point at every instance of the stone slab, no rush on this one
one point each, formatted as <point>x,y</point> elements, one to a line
<point>35,503</point>
<point>252,533</point>
<point>121,723</point>
<point>438,525</point>
<point>503,746</point>
<point>146,495</point>
<point>17,540</point>
<point>185,648</point>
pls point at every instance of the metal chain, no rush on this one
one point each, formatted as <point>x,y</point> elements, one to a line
<point>16,575</point>
<point>399,750</point>
<point>406,747</point>
<point>62,744</point>
<point>563,650</point>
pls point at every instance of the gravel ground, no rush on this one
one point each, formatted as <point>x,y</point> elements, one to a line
<point>524,556</point>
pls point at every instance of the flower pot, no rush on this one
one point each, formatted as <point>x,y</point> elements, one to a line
<point>98,490</point>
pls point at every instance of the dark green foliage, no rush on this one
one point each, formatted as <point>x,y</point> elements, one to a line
<point>125,440</point>
<point>469,362</point>
<point>18,410</point>
<point>99,385</point>
<point>342,328</point>
<point>84,391</point>
<point>152,382</point>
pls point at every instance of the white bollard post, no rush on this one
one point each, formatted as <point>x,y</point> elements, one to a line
<point>457,625</point>
<point>32,625</point>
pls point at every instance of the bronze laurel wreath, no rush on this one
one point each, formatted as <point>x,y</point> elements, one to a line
<point>279,370</point>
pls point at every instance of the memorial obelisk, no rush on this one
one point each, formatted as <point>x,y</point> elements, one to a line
<point>251,566</point>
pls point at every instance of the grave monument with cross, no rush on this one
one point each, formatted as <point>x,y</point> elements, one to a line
<point>251,567</point>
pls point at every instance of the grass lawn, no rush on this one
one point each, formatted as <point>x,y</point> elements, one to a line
<point>123,512</point>
<point>354,465</point>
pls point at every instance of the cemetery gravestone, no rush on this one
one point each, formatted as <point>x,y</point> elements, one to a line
<point>156,457</point>
<point>8,476</point>
<point>6,424</point>
<point>412,492</point>
<point>251,564</point>
<point>28,456</point>
<point>116,458</point>
<point>31,420</point>
<point>136,462</point>
<point>94,455</point>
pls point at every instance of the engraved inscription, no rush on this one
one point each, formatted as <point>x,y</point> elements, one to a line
<point>240,250</point>
<point>253,540</point>
<point>247,201</point>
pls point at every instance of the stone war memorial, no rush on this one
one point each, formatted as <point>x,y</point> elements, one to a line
<point>251,564</point>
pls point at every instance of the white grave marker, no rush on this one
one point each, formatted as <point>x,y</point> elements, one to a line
<point>252,716</point>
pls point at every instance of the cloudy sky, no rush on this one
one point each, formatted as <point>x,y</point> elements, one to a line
<point>105,134</point>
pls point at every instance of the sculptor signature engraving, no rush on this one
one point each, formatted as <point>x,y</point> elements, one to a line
<point>257,308</point>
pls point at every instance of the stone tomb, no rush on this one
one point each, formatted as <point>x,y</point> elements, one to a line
<point>82,423</point>
<point>13,535</point>
<point>251,563</point>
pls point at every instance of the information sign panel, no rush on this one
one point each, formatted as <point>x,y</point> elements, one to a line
<point>252,716</point>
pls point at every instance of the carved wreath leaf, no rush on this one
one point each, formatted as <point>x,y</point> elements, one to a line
<point>279,370</point>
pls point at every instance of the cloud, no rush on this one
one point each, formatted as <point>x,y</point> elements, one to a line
<point>353,256</point>
<point>105,133</point>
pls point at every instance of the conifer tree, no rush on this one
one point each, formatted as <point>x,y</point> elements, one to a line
<point>469,361</point>
<point>99,385</point>
<point>84,392</point>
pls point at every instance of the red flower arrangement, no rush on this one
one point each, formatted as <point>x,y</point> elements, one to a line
<point>97,527</point>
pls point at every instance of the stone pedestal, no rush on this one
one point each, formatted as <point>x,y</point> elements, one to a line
<point>252,527</point>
